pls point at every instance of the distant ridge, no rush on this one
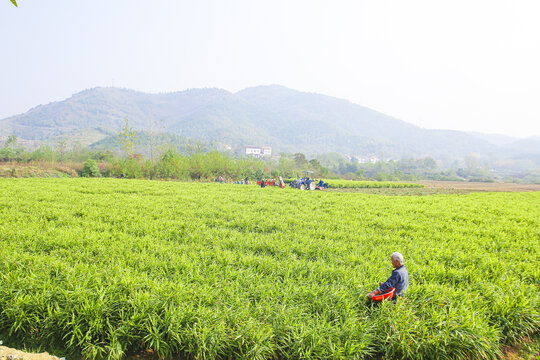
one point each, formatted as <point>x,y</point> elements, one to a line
<point>286,119</point>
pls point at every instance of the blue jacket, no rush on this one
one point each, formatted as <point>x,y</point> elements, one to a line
<point>399,279</point>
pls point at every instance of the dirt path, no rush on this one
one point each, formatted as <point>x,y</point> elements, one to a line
<point>479,186</point>
<point>12,354</point>
<point>443,187</point>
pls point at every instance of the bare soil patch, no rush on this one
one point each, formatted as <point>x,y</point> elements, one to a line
<point>12,354</point>
<point>528,349</point>
<point>401,191</point>
<point>479,186</point>
<point>443,187</point>
<point>38,169</point>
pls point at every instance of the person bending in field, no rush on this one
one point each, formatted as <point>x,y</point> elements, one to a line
<point>399,278</point>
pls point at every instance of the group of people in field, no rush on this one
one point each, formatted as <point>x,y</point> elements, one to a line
<point>262,183</point>
<point>245,181</point>
<point>271,182</point>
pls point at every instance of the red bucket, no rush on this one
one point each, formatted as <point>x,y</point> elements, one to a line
<point>383,296</point>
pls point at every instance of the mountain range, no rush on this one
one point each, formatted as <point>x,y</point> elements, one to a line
<point>286,119</point>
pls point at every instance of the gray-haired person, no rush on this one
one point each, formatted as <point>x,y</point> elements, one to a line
<point>399,278</point>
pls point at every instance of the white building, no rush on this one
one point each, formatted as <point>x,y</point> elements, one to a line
<point>266,151</point>
<point>257,151</point>
<point>253,150</point>
<point>363,160</point>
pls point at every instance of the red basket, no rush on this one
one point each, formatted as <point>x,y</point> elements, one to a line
<point>383,296</point>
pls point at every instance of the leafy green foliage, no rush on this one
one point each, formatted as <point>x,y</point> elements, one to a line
<point>11,150</point>
<point>107,268</point>
<point>14,2</point>
<point>153,145</point>
<point>90,169</point>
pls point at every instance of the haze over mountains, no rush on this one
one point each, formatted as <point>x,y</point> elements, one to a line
<point>287,120</point>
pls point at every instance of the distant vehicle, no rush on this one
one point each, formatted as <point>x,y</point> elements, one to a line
<point>306,182</point>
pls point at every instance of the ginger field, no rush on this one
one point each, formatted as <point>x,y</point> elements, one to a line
<point>108,268</point>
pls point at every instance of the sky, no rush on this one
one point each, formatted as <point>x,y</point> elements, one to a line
<point>463,65</point>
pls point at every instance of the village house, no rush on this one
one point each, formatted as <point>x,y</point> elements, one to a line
<point>257,151</point>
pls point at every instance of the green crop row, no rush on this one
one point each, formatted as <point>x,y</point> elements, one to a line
<point>352,184</point>
<point>106,268</point>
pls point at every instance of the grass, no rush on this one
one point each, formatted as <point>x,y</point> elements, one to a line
<point>108,268</point>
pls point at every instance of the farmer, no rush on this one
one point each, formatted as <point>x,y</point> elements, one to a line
<point>399,278</point>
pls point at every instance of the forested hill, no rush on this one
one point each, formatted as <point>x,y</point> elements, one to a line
<point>283,118</point>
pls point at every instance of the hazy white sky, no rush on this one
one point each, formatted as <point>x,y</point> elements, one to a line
<point>465,65</point>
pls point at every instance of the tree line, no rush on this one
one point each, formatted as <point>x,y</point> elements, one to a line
<point>195,161</point>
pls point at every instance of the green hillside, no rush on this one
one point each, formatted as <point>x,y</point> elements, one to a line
<point>283,118</point>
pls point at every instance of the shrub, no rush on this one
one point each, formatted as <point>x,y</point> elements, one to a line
<point>90,169</point>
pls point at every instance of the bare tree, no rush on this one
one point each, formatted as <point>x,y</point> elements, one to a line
<point>156,138</point>
<point>61,147</point>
